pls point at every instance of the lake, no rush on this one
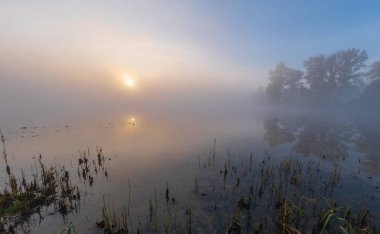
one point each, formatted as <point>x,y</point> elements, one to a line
<point>147,155</point>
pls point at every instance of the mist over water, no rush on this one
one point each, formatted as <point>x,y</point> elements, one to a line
<point>151,147</point>
<point>209,100</point>
<point>156,133</point>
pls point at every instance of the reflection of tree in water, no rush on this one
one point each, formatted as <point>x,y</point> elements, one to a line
<point>323,138</point>
<point>276,133</point>
<point>326,137</point>
<point>314,136</point>
<point>368,144</point>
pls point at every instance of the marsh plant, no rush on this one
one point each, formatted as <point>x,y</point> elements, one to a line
<point>49,186</point>
<point>240,194</point>
<point>255,194</point>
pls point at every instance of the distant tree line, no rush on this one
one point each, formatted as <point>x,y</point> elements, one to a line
<point>340,79</point>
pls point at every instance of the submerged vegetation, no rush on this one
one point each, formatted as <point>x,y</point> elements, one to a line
<point>253,195</point>
<point>49,186</point>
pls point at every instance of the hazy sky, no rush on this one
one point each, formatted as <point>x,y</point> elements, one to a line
<point>59,58</point>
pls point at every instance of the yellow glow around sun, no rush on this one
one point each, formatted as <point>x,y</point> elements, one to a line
<point>129,81</point>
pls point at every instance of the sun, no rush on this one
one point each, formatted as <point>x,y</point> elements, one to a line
<point>129,81</point>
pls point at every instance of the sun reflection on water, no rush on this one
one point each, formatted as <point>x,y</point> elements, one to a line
<point>132,121</point>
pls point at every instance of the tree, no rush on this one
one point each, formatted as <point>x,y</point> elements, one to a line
<point>374,72</point>
<point>321,85</point>
<point>371,93</point>
<point>328,80</point>
<point>349,76</point>
<point>284,83</point>
<point>336,78</point>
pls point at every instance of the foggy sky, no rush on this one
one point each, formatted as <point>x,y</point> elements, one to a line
<point>65,58</point>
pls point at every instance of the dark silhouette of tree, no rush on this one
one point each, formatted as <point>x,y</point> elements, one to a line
<point>374,72</point>
<point>371,94</point>
<point>348,76</point>
<point>321,85</point>
<point>328,80</point>
<point>336,78</point>
<point>284,83</point>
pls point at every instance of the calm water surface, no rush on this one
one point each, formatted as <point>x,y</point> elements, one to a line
<point>153,150</point>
